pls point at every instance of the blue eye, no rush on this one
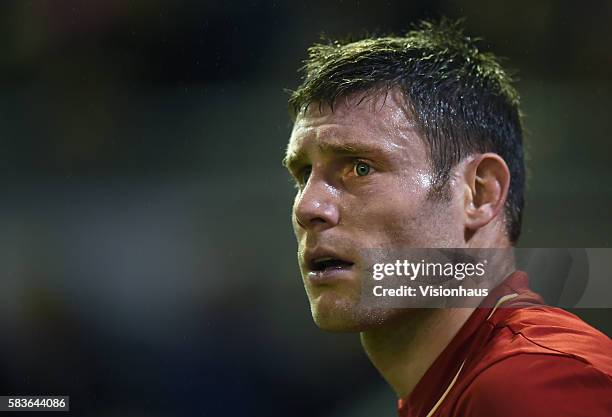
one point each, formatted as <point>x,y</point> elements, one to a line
<point>362,169</point>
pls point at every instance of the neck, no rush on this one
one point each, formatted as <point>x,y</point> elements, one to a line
<point>403,349</point>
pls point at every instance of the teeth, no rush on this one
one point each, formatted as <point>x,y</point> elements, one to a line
<point>319,260</point>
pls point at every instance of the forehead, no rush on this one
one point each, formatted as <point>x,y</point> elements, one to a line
<point>379,121</point>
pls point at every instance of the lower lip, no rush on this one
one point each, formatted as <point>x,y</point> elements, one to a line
<point>331,275</point>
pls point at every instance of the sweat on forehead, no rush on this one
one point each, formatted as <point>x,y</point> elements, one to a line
<point>379,110</point>
<point>354,125</point>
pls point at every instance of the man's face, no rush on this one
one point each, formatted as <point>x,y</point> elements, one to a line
<point>364,181</point>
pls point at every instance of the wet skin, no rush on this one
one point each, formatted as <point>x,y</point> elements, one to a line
<point>364,180</point>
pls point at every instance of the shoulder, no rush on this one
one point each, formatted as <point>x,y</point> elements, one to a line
<point>541,361</point>
<point>537,384</point>
<point>550,330</point>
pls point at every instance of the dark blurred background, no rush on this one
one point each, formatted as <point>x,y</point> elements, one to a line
<point>146,254</point>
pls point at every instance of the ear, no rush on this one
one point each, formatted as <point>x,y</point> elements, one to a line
<point>487,180</point>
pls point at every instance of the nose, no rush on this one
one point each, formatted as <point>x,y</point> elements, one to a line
<point>316,206</point>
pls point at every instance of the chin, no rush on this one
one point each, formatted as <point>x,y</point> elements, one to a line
<point>334,314</point>
<point>336,324</point>
<point>346,316</point>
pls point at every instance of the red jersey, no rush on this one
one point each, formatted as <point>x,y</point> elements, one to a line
<point>521,358</point>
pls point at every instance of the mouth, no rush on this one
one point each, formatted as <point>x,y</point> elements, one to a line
<point>329,263</point>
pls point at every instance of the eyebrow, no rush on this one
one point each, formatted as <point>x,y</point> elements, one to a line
<point>290,161</point>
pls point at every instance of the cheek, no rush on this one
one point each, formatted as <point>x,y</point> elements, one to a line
<point>294,223</point>
<point>297,230</point>
<point>393,206</point>
<point>400,212</point>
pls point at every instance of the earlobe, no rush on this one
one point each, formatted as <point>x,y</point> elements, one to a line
<point>487,182</point>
